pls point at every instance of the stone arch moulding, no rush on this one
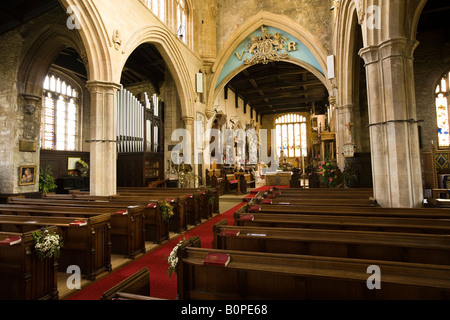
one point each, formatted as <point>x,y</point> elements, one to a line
<point>94,36</point>
<point>167,45</point>
<point>275,22</point>
<point>40,55</point>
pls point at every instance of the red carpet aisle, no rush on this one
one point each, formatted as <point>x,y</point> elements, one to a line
<point>161,286</point>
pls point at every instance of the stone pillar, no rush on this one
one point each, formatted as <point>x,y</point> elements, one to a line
<point>344,138</point>
<point>103,146</point>
<point>394,134</point>
<point>189,126</point>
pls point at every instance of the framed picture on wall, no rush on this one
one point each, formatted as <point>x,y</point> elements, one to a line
<point>72,163</point>
<point>27,175</point>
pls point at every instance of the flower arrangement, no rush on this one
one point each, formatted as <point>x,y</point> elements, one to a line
<point>47,245</point>
<point>173,258</point>
<point>328,173</point>
<point>83,167</point>
<point>166,210</point>
<point>257,200</point>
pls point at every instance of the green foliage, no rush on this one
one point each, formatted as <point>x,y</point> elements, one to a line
<point>328,173</point>
<point>47,245</point>
<point>350,175</point>
<point>46,180</point>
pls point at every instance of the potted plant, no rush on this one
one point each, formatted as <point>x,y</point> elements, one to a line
<point>350,175</point>
<point>46,180</point>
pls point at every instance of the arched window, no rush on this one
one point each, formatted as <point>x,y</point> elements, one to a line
<point>442,111</point>
<point>158,7</point>
<point>291,135</point>
<point>59,125</point>
<point>181,19</point>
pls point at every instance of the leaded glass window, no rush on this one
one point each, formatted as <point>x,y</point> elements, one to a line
<point>59,115</point>
<point>442,112</point>
<point>291,135</point>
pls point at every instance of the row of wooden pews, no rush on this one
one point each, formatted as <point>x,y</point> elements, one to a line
<point>321,250</point>
<point>93,228</point>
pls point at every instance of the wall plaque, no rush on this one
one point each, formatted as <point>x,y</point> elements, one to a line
<point>27,146</point>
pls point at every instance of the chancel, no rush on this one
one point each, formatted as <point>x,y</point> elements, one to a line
<point>277,136</point>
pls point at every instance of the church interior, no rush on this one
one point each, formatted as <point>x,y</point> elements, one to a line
<point>305,143</point>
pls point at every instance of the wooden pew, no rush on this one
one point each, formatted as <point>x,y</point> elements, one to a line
<point>23,276</point>
<point>87,246</point>
<point>250,180</point>
<point>402,247</point>
<point>276,276</point>
<point>231,183</point>
<point>177,223</point>
<point>134,287</point>
<point>318,201</point>
<point>427,213</point>
<point>357,223</point>
<point>323,194</point>
<point>127,223</point>
<point>207,207</point>
<point>155,229</point>
<point>192,201</point>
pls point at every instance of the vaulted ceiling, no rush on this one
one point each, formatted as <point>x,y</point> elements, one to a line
<point>280,87</point>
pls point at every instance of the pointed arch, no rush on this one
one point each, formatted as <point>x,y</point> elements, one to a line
<point>173,57</point>
<point>244,31</point>
<point>40,55</point>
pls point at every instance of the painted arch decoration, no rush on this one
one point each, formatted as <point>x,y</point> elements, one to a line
<point>268,44</point>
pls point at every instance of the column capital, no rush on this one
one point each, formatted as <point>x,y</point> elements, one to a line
<point>188,120</point>
<point>97,85</point>
<point>31,102</point>
<point>390,48</point>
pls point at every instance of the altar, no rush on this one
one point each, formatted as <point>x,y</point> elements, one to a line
<point>278,178</point>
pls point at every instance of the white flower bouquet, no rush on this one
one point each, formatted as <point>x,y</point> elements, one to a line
<point>47,245</point>
<point>173,259</point>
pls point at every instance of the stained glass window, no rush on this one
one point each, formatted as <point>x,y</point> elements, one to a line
<point>442,115</point>
<point>291,135</point>
<point>59,115</point>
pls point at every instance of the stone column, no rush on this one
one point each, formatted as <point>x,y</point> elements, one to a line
<point>103,146</point>
<point>394,134</point>
<point>344,131</point>
<point>189,126</point>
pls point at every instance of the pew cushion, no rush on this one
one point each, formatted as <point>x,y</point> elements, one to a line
<point>266,201</point>
<point>246,217</point>
<point>233,181</point>
<point>254,208</point>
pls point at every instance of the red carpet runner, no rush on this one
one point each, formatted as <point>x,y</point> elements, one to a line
<point>161,286</point>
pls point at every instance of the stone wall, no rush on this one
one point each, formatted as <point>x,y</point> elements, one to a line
<point>431,61</point>
<point>313,15</point>
<point>15,123</point>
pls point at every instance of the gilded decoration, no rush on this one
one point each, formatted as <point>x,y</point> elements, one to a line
<point>266,48</point>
